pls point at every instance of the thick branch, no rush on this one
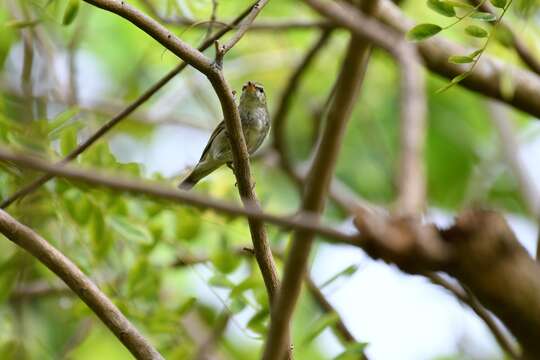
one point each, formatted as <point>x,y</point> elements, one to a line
<point>521,49</point>
<point>318,182</point>
<point>80,284</point>
<point>486,76</point>
<point>481,251</point>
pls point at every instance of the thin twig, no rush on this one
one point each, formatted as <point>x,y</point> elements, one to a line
<point>80,284</point>
<point>523,52</point>
<point>120,116</point>
<point>468,298</point>
<point>485,78</point>
<point>243,28</point>
<point>118,182</point>
<point>510,149</point>
<point>340,328</point>
<point>284,105</point>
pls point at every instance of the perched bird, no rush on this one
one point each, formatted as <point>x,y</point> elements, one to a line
<point>255,125</point>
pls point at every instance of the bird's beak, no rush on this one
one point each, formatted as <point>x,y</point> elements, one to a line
<point>251,87</point>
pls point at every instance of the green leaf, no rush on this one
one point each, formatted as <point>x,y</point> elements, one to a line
<point>483,16</point>
<point>237,305</point>
<point>220,280</point>
<point>458,4</point>
<point>501,4</point>
<point>188,223</point>
<point>71,11</point>
<point>476,31</point>
<point>348,271</point>
<point>78,205</point>
<point>19,24</point>
<point>352,352</point>
<point>442,8</point>
<point>457,59</point>
<point>68,141</point>
<point>130,230</point>
<point>259,322</point>
<point>453,82</point>
<point>186,306</point>
<point>475,53</point>
<point>423,31</point>
<point>320,325</point>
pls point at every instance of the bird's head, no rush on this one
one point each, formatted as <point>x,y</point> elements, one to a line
<point>253,94</point>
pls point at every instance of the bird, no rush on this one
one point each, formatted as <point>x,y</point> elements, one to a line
<point>255,120</point>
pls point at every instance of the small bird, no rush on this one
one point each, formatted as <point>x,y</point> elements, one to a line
<point>255,125</point>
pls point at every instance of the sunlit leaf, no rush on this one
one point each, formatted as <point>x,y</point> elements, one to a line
<point>498,3</point>
<point>259,322</point>
<point>220,280</point>
<point>457,59</point>
<point>130,230</point>
<point>476,31</point>
<point>70,12</point>
<point>458,4</point>
<point>441,7</point>
<point>483,16</point>
<point>19,24</point>
<point>323,322</point>
<point>423,31</point>
<point>347,272</point>
<point>352,352</point>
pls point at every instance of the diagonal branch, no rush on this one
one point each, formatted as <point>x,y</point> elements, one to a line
<point>121,115</point>
<point>117,182</point>
<point>283,108</point>
<point>484,79</point>
<point>244,26</point>
<point>80,284</point>
<point>468,298</point>
<point>231,117</point>
<point>523,52</point>
<point>318,182</point>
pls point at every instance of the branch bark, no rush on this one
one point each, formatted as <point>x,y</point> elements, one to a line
<point>484,79</point>
<point>121,115</point>
<point>100,304</point>
<point>118,182</point>
<point>481,251</point>
<point>318,182</point>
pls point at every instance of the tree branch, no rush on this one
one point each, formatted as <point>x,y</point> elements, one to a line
<point>481,251</point>
<point>284,105</point>
<point>318,182</point>
<point>118,182</point>
<point>178,47</point>
<point>465,297</point>
<point>242,29</point>
<point>120,116</point>
<point>484,79</point>
<point>80,284</point>
<point>521,49</point>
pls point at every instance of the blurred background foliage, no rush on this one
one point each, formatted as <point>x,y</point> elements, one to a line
<point>59,83</point>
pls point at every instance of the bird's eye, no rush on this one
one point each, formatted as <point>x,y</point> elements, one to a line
<point>244,88</point>
<point>260,89</point>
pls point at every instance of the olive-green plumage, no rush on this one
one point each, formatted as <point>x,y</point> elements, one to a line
<point>255,125</point>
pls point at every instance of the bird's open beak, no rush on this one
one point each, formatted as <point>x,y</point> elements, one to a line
<point>251,87</point>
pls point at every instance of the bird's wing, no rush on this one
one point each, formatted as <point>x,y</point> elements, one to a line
<point>215,133</point>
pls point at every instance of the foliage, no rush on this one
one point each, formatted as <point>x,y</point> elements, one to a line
<point>130,245</point>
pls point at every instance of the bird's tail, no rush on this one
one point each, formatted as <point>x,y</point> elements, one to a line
<point>196,175</point>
